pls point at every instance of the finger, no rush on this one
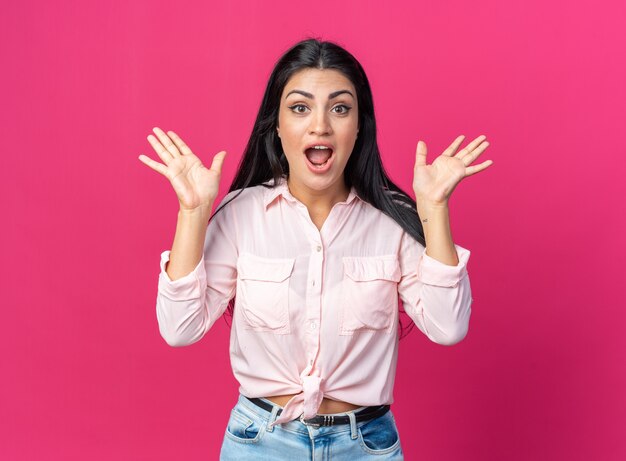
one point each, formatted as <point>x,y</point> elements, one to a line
<point>166,141</point>
<point>470,170</point>
<point>218,161</point>
<point>184,149</point>
<point>469,158</point>
<point>420,154</point>
<point>471,146</point>
<point>156,166</point>
<point>161,151</point>
<point>449,152</point>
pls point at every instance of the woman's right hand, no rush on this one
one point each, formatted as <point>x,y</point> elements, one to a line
<point>194,184</point>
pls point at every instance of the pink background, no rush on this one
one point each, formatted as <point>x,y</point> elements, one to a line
<point>84,372</point>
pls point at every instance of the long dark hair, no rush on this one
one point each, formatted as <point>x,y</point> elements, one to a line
<point>263,158</point>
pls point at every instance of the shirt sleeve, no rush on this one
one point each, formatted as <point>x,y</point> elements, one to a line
<point>189,306</point>
<point>436,296</point>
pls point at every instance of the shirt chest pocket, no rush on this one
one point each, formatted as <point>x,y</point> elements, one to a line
<point>369,293</point>
<point>263,292</point>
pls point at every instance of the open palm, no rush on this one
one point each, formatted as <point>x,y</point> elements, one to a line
<point>434,183</point>
<point>195,185</point>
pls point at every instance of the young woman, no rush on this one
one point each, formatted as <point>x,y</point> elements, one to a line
<point>310,249</point>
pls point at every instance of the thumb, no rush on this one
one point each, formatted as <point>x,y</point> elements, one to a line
<point>420,154</point>
<point>218,160</point>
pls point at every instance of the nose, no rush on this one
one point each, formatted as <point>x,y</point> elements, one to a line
<point>320,124</point>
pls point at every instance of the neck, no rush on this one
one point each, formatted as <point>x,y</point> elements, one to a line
<point>319,199</point>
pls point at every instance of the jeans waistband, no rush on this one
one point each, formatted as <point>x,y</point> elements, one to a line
<point>361,414</point>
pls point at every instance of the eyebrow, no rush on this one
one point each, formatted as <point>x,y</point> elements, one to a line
<point>310,96</point>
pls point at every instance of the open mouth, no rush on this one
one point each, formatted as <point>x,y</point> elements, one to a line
<point>318,156</point>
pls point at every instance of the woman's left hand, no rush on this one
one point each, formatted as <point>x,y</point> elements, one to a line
<point>434,183</point>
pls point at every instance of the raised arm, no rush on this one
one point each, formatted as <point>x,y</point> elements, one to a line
<point>196,188</point>
<point>435,287</point>
<point>187,306</point>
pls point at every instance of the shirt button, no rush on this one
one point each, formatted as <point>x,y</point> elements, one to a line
<point>318,248</point>
<point>313,325</point>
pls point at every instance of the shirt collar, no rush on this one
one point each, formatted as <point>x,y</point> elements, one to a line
<point>271,193</point>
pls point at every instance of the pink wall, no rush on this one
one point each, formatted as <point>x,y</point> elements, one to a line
<point>84,372</point>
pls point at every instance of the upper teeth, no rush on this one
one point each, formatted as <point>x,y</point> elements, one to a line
<point>320,147</point>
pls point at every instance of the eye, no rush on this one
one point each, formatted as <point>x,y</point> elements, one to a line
<point>344,109</point>
<point>296,108</point>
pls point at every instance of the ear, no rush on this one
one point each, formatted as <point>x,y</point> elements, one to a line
<point>278,131</point>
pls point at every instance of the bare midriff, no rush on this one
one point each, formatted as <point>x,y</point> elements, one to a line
<point>327,406</point>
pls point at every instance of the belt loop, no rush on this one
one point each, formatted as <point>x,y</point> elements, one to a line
<point>352,424</point>
<point>275,409</point>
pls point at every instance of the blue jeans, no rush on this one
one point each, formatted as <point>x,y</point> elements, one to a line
<point>247,436</point>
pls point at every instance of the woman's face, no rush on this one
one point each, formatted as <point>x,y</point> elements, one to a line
<point>318,107</point>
